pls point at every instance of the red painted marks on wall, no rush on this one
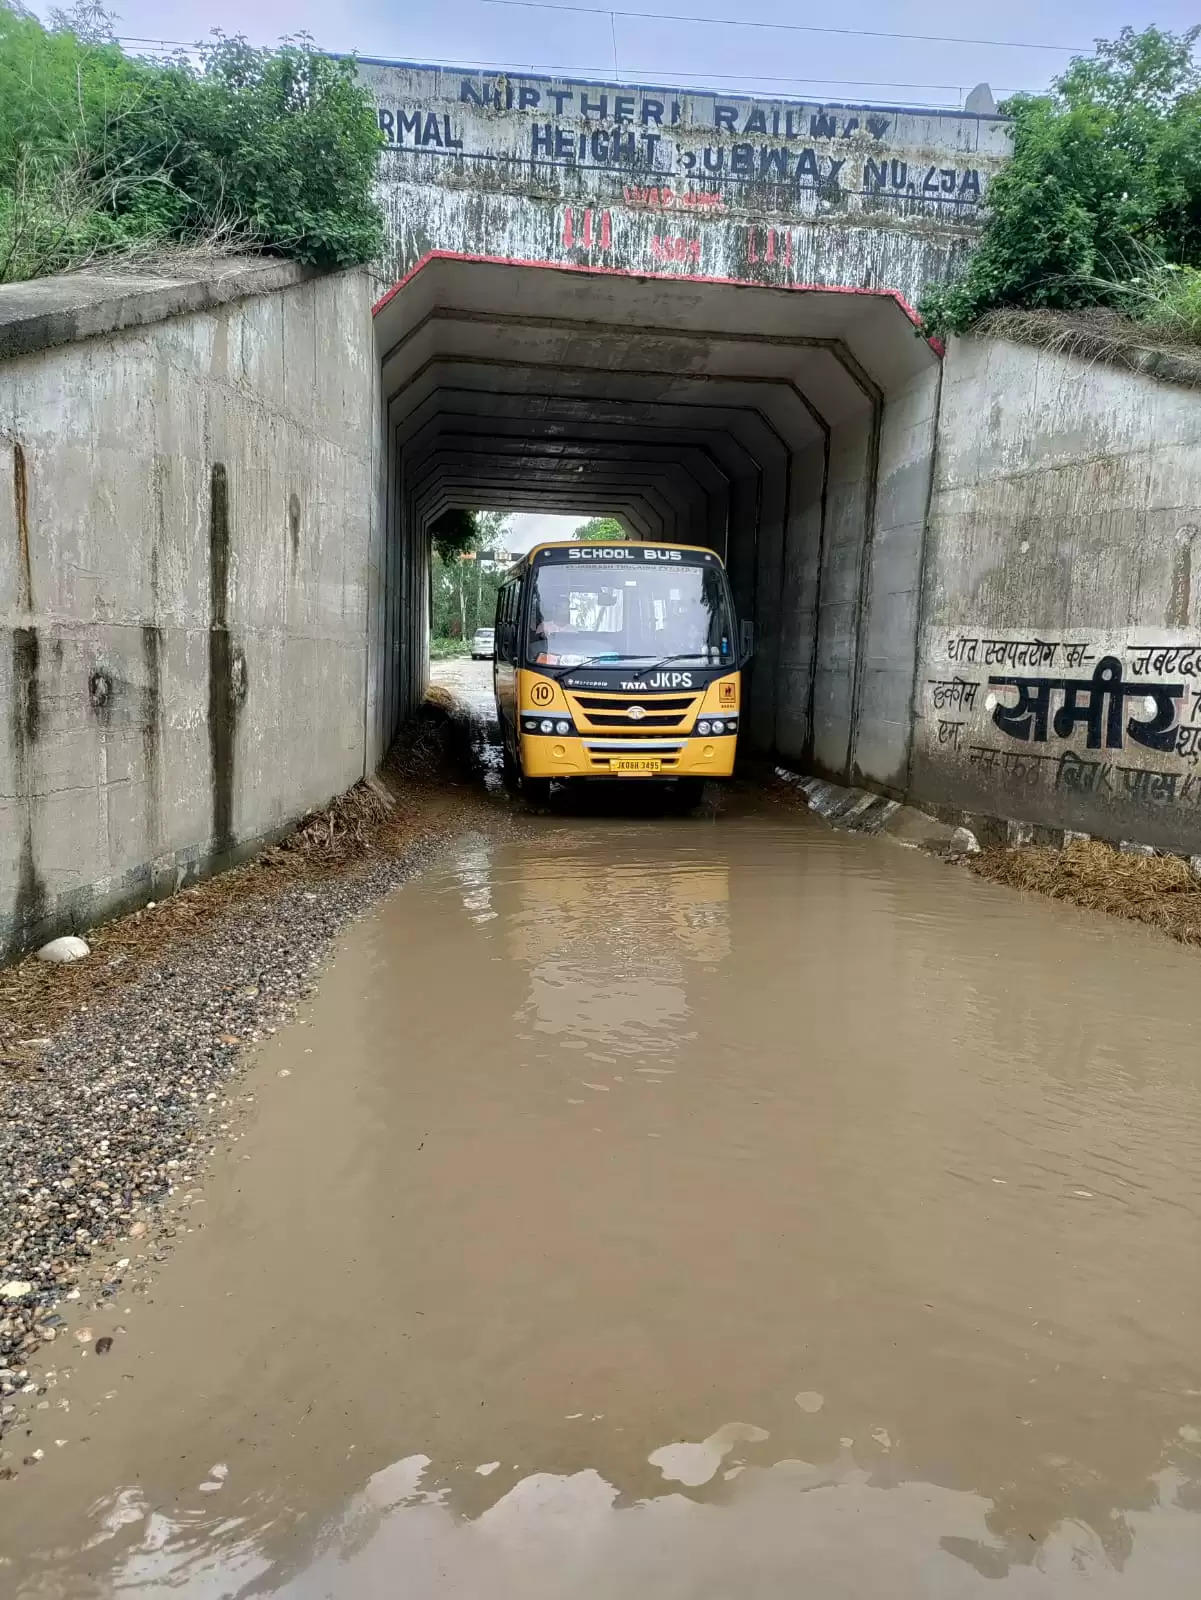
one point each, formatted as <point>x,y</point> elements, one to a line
<point>667,199</point>
<point>584,229</point>
<point>683,251</point>
<point>773,245</point>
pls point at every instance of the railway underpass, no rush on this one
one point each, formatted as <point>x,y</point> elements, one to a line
<point>792,431</point>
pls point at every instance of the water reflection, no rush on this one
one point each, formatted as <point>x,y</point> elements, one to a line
<point>775,1529</point>
<point>609,947</point>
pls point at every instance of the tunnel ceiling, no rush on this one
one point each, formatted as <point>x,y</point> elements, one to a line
<point>534,388</point>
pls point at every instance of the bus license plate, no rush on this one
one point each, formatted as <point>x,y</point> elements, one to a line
<point>640,764</point>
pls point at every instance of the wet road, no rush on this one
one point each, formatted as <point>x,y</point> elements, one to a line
<point>470,682</point>
<point>676,1208</point>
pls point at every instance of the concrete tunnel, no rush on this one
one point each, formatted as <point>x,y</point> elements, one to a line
<point>790,429</point>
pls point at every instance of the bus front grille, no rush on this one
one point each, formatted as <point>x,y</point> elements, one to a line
<point>599,719</point>
<point>621,702</point>
<point>611,712</point>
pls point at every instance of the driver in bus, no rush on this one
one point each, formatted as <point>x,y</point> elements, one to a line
<point>544,628</point>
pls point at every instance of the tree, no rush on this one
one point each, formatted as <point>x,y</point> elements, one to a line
<point>453,532</point>
<point>88,20</point>
<point>282,143</point>
<point>463,583</point>
<point>598,529</point>
<point>1104,184</point>
<point>493,530</point>
<point>102,153</point>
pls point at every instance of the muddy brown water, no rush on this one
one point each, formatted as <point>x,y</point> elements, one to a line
<point>675,1208</point>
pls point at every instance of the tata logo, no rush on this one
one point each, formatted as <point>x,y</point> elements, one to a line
<point>636,713</point>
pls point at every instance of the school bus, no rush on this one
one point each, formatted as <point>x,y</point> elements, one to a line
<point>617,660</point>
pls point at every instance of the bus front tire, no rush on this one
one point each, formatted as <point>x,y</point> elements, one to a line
<point>689,793</point>
<point>536,792</point>
<point>510,772</point>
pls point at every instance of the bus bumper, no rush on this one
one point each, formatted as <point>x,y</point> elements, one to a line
<point>593,756</point>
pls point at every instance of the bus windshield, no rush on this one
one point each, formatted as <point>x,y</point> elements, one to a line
<point>610,611</point>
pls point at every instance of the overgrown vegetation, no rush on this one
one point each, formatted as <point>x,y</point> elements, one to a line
<point>104,154</point>
<point>1101,203</point>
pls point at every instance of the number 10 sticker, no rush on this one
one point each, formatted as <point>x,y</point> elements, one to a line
<point>542,694</point>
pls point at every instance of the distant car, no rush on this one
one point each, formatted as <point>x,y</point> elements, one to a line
<point>483,644</point>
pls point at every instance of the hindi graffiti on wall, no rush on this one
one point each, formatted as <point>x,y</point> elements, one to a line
<point>1117,721</point>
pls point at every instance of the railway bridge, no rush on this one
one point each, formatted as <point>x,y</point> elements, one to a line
<point>694,312</point>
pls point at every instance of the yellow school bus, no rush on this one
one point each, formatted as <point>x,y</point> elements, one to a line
<point>617,660</point>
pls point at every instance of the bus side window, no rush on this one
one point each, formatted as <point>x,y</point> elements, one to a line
<point>515,645</point>
<point>506,612</point>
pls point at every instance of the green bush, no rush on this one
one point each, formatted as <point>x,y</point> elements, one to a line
<point>101,152</point>
<point>1105,175</point>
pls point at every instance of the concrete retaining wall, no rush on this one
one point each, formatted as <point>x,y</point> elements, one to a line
<point>1060,672</point>
<point>187,500</point>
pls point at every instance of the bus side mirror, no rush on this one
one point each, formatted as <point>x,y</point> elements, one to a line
<point>746,641</point>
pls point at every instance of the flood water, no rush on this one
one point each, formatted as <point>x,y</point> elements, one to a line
<point>677,1209</point>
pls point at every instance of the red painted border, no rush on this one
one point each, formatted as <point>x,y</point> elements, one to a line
<point>677,277</point>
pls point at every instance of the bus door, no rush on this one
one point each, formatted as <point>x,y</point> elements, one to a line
<point>508,644</point>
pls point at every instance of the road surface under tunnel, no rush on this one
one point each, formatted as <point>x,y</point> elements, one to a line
<point>674,1207</point>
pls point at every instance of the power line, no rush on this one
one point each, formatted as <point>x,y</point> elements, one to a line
<point>656,72</point>
<point>721,77</point>
<point>782,27</point>
<point>580,72</point>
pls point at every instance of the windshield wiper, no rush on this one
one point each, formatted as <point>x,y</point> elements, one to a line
<point>663,661</point>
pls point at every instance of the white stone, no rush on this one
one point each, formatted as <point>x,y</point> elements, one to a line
<point>68,948</point>
<point>963,842</point>
<point>15,1288</point>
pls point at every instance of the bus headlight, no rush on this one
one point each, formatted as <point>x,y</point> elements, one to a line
<point>718,725</point>
<point>703,729</point>
<point>562,728</point>
<point>546,726</point>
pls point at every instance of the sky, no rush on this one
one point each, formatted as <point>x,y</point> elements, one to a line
<point>829,65</point>
<point>1020,45</point>
<point>528,528</point>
